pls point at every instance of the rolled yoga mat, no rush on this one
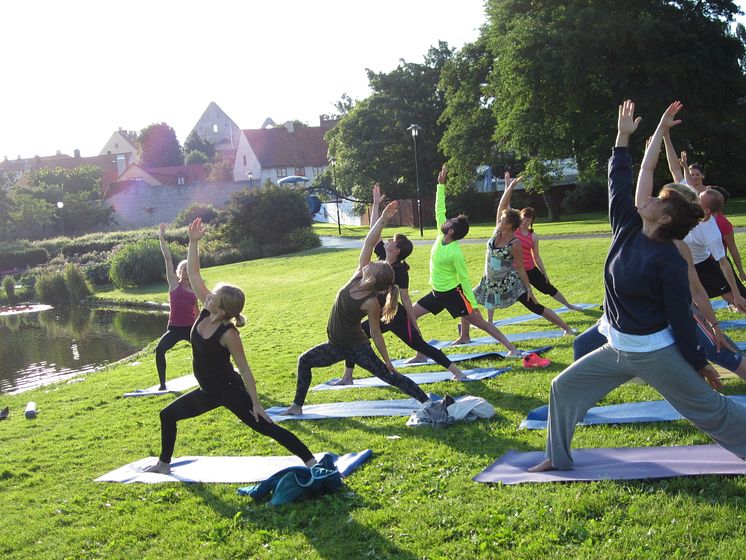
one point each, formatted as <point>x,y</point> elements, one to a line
<point>622,463</point>
<point>627,413</point>
<point>223,469</point>
<point>476,374</point>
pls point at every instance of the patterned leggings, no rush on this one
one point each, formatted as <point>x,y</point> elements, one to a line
<point>236,399</point>
<point>328,354</point>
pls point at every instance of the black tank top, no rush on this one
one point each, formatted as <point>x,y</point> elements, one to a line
<point>211,360</point>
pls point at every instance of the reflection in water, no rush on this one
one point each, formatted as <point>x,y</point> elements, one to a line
<point>59,343</point>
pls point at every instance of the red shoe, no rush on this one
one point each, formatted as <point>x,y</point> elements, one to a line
<point>533,361</point>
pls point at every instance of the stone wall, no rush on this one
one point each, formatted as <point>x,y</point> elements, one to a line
<point>140,206</point>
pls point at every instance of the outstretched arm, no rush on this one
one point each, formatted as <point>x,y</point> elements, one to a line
<point>373,309</point>
<point>650,160</point>
<point>505,198</point>
<point>674,165</point>
<point>232,340</point>
<point>374,235</point>
<point>196,231</point>
<point>167,260</point>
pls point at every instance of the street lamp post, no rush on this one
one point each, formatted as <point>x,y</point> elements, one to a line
<point>60,206</point>
<point>415,130</point>
<point>251,179</point>
<point>334,186</point>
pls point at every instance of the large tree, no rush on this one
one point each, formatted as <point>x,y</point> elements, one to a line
<point>159,146</point>
<point>561,68</point>
<point>371,142</point>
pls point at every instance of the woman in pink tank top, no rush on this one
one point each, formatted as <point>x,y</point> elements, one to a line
<point>183,308</point>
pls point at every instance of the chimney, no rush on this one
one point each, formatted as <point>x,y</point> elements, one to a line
<point>77,154</point>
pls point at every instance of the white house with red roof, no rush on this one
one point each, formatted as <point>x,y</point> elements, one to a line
<point>272,153</point>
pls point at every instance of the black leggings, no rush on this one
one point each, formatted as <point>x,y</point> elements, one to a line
<point>404,330</point>
<point>236,399</point>
<point>531,305</point>
<point>537,279</point>
<point>328,354</point>
<point>167,341</point>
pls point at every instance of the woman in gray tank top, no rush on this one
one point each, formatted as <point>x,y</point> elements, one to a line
<point>347,340</point>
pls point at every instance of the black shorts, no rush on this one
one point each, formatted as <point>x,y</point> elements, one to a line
<point>712,277</point>
<point>537,279</point>
<point>454,301</point>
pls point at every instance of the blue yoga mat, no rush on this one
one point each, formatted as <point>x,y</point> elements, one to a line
<point>625,463</point>
<point>484,340</point>
<point>532,316</point>
<point>402,362</point>
<point>734,324</point>
<point>627,413</point>
<point>476,374</point>
<point>400,407</point>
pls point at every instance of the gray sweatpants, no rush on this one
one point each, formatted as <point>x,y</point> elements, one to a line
<point>589,379</point>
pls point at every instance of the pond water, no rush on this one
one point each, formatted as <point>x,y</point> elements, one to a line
<point>40,347</point>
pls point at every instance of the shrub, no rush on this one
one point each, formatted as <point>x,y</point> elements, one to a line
<point>266,215</point>
<point>585,198</point>
<point>14,255</point>
<point>137,264</point>
<point>9,286</point>
<point>77,286</point>
<point>302,239</point>
<point>205,211</point>
<point>50,287</point>
<point>97,273</point>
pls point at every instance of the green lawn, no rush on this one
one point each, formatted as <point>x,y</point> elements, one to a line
<point>413,500</point>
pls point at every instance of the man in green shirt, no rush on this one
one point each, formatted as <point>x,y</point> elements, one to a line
<point>449,277</point>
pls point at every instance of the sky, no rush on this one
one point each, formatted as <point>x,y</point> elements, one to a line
<point>74,72</point>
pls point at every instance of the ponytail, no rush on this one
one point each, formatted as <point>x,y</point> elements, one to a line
<point>391,305</point>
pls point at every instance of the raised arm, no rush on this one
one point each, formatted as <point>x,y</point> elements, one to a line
<point>167,260</point>
<point>684,163</point>
<point>196,232</point>
<point>375,233</point>
<point>674,165</point>
<point>440,197</point>
<point>650,160</point>
<point>505,198</point>
<point>375,207</point>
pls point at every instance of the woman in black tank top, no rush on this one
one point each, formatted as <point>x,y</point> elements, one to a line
<point>214,341</point>
<point>346,338</point>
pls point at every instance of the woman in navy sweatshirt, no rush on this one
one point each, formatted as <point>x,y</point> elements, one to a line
<point>647,316</point>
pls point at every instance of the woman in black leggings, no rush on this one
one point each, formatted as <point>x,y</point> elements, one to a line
<point>347,340</point>
<point>404,324</point>
<point>214,340</point>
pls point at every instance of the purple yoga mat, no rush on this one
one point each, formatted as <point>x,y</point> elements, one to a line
<point>620,463</point>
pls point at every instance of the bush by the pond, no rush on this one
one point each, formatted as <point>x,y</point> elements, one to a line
<point>62,286</point>
<point>77,285</point>
<point>197,210</point>
<point>137,264</point>
<point>9,285</point>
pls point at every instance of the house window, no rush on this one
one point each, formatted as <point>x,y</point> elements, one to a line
<point>300,171</point>
<point>317,171</point>
<point>244,161</point>
<point>282,172</point>
<point>180,181</point>
<point>214,128</point>
<point>116,144</point>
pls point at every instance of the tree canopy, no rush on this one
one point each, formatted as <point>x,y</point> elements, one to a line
<point>159,146</point>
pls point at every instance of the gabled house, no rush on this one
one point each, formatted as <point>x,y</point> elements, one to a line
<point>274,153</point>
<point>217,127</point>
<point>122,142</point>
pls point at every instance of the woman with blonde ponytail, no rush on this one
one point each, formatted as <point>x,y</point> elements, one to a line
<point>214,341</point>
<point>401,321</point>
<point>346,338</point>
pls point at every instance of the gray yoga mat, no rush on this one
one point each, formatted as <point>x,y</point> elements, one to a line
<point>225,470</point>
<point>626,413</point>
<point>622,463</point>
<point>354,409</point>
<point>476,374</point>
<point>482,341</point>
<point>176,385</point>
<point>532,316</point>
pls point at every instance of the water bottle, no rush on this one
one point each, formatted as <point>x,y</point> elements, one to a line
<point>31,410</point>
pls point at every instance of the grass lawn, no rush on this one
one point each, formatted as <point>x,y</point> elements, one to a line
<point>413,500</point>
<point>595,222</point>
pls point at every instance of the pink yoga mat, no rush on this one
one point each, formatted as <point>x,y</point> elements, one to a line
<point>621,463</point>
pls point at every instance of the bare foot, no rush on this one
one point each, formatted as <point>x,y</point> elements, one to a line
<point>570,332</point>
<point>342,381</point>
<point>418,359</point>
<point>515,354</point>
<point>574,308</point>
<point>460,341</point>
<point>160,467</point>
<point>311,462</point>
<point>293,410</point>
<point>545,465</point>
